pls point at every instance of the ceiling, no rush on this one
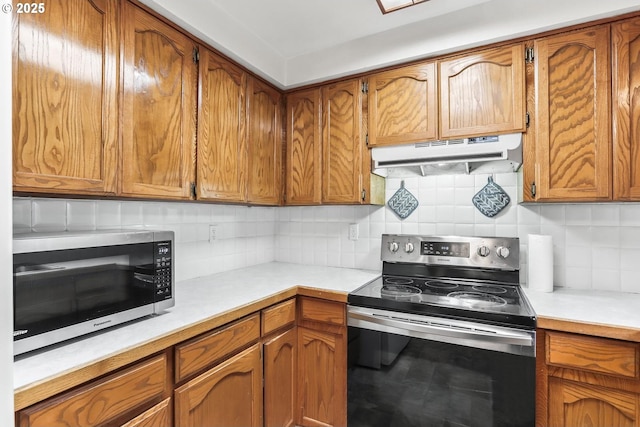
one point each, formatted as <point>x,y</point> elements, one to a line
<point>296,42</point>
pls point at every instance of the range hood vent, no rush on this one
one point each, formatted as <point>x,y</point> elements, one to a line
<point>488,154</point>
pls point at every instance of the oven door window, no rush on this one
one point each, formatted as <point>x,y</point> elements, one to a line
<point>62,288</point>
<point>395,380</point>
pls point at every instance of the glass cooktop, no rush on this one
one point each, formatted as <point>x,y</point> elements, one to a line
<point>491,302</point>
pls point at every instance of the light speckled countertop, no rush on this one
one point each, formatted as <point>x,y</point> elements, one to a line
<point>196,301</point>
<point>614,309</point>
<point>218,298</point>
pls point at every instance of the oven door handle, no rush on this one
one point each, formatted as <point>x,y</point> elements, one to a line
<point>432,327</point>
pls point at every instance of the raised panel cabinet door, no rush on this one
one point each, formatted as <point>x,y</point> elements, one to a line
<point>280,380</point>
<point>483,93</point>
<point>403,105</point>
<point>264,144</point>
<point>322,378</point>
<point>626,109</point>
<point>573,120</point>
<point>228,395</point>
<point>342,144</point>
<point>65,88</point>
<point>304,149</point>
<point>574,404</point>
<point>158,108</point>
<point>222,135</point>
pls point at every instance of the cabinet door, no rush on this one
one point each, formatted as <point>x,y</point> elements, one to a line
<point>228,395</point>
<point>575,404</point>
<point>483,93</point>
<point>65,119</point>
<point>222,140</point>
<point>265,144</point>
<point>304,150</point>
<point>157,416</point>
<point>573,117</point>
<point>626,109</point>
<point>342,146</point>
<point>159,108</point>
<point>322,381</point>
<point>403,105</point>
<point>280,380</point>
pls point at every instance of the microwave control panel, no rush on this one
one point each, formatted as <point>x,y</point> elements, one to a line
<point>163,269</point>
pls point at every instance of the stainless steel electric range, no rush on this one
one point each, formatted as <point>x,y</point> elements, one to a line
<point>445,337</point>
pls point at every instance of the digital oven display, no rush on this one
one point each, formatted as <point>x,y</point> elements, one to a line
<point>452,249</point>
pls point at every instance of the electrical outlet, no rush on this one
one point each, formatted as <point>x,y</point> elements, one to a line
<point>353,232</point>
<point>213,232</point>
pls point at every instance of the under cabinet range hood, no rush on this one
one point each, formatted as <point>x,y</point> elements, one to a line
<point>486,154</point>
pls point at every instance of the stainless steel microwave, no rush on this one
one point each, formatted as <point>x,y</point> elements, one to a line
<point>68,284</point>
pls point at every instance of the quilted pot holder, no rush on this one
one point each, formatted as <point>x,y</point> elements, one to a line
<point>491,199</point>
<point>402,203</point>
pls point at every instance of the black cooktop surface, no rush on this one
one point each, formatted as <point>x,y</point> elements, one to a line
<point>483,301</point>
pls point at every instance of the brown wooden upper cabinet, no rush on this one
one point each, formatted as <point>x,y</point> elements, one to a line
<point>403,105</point>
<point>264,144</point>
<point>222,141</point>
<point>573,118</point>
<point>65,117</point>
<point>483,93</point>
<point>342,145</point>
<point>158,108</point>
<point>304,149</point>
<point>626,109</point>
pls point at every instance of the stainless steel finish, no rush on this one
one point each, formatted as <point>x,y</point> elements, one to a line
<point>489,245</point>
<point>471,334</point>
<point>79,329</point>
<point>42,242</point>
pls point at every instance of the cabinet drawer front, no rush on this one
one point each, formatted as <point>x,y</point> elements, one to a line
<point>279,315</point>
<point>194,355</point>
<point>599,355</point>
<point>322,311</point>
<point>104,400</point>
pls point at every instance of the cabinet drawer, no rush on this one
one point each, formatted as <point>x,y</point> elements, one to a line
<point>322,311</point>
<point>279,315</point>
<point>593,354</point>
<point>197,353</point>
<point>104,400</point>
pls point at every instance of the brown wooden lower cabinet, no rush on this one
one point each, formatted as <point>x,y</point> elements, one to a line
<point>103,401</point>
<point>261,370</point>
<point>280,380</point>
<point>587,381</point>
<point>322,363</point>
<point>228,395</point>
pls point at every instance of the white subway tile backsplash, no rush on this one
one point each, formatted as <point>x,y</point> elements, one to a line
<point>48,215</point>
<point>630,214</point>
<point>596,246</point>
<point>81,215</point>
<point>578,215</point>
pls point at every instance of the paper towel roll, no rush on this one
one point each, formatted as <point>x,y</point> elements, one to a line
<point>540,263</point>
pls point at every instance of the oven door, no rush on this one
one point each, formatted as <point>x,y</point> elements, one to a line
<point>412,370</point>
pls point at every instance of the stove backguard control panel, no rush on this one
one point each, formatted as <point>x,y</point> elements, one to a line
<point>501,253</point>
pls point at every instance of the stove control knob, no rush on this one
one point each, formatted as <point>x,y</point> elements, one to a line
<point>483,251</point>
<point>502,252</point>
<point>408,247</point>
<point>393,246</point>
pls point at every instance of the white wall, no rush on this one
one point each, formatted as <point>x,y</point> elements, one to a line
<point>6,290</point>
<point>596,246</point>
